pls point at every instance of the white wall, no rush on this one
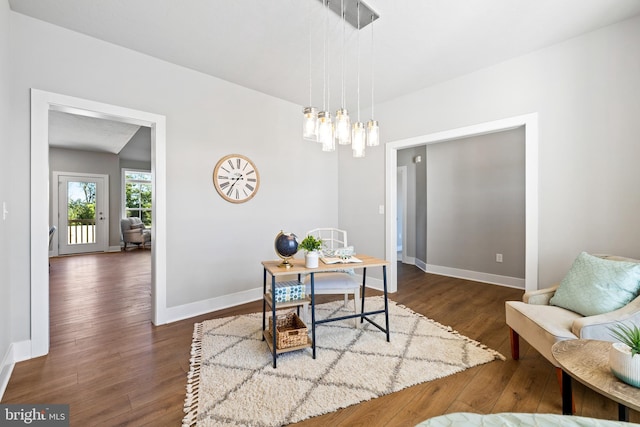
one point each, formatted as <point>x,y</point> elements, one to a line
<point>587,93</point>
<point>5,196</point>
<point>214,247</point>
<point>476,203</point>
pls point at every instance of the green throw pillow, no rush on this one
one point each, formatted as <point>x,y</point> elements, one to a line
<point>594,285</point>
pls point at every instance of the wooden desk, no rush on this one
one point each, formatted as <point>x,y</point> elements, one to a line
<point>273,269</point>
<point>587,361</point>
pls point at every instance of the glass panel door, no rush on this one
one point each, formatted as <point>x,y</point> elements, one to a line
<point>81,214</point>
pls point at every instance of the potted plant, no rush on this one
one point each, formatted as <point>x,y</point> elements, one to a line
<point>624,356</point>
<point>311,246</point>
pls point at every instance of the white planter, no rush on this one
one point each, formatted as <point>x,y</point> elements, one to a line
<point>311,259</point>
<point>623,366</point>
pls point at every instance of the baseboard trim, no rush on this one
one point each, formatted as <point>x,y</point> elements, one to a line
<point>17,352</point>
<point>197,308</point>
<point>6,369</point>
<point>494,279</point>
<point>210,305</point>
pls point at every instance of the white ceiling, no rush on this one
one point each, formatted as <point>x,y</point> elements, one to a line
<point>264,45</point>
<point>88,133</point>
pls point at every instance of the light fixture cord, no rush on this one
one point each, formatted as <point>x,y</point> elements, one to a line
<point>328,64</point>
<point>310,65</point>
<point>324,58</point>
<point>358,66</point>
<point>372,70</point>
<point>343,49</point>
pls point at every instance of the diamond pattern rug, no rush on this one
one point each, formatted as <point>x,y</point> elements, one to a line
<point>232,381</point>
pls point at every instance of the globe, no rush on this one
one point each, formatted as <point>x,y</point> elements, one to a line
<point>286,246</point>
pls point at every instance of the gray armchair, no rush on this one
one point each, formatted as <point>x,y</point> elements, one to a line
<point>134,231</point>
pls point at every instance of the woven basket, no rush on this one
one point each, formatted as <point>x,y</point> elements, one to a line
<point>290,330</point>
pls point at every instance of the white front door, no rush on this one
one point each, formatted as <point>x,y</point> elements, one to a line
<point>82,213</point>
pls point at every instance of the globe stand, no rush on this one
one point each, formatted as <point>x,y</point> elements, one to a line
<point>285,263</point>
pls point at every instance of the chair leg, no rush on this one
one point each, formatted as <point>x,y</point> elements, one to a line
<point>559,376</point>
<point>356,306</point>
<point>514,338</point>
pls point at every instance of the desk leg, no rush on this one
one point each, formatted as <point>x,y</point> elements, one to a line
<point>264,302</point>
<point>364,286</point>
<point>386,300</point>
<point>566,394</point>
<point>623,413</point>
<point>313,315</point>
<point>273,318</point>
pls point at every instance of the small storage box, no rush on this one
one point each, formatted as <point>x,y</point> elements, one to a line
<point>290,330</point>
<point>289,291</point>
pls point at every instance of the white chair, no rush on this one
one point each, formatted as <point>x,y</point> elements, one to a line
<point>343,280</point>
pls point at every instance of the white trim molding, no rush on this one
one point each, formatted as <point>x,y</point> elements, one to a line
<point>530,123</point>
<point>476,276</point>
<point>197,308</point>
<point>41,103</point>
<point>17,352</point>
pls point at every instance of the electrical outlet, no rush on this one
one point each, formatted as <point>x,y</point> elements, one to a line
<point>5,212</point>
<point>498,257</point>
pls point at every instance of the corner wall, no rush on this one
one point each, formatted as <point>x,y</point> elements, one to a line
<point>6,330</point>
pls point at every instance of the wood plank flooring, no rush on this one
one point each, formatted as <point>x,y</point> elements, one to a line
<point>115,368</point>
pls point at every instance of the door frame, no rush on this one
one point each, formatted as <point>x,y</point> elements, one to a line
<point>530,123</point>
<point>41,103</point>
<point>402,172</point>
<point>55,209</point>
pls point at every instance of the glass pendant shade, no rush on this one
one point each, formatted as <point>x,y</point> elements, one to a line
<point>358,139</point>
<point>373,133</point>
<point>343,127</point>
<point>325,131</point>
<point>310,124</point>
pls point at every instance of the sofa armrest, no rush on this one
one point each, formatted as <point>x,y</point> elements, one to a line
<point>597,327</point>
<point>540,296</point>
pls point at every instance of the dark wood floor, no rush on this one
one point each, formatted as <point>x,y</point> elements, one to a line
<point>115,368</point>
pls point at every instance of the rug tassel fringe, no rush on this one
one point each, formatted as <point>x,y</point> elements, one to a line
<point>193,379</point>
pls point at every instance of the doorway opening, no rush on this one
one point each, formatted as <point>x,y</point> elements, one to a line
<point>41,104</point>
<point>530,124</point>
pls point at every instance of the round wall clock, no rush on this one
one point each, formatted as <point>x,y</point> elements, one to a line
<point>236,178</point>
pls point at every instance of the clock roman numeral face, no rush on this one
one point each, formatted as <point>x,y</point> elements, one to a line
<point>236,178</point>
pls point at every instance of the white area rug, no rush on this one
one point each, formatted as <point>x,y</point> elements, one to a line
<point>232,381</point>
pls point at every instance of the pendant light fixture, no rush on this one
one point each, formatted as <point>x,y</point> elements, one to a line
<point>373,130</point>
<point>343,122</point>
<point>310,120</point>
<point>319,126</point>
<point>358,136</point>
<point>325,122</point>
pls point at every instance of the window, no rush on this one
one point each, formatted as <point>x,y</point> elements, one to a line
<point>138,186</point>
